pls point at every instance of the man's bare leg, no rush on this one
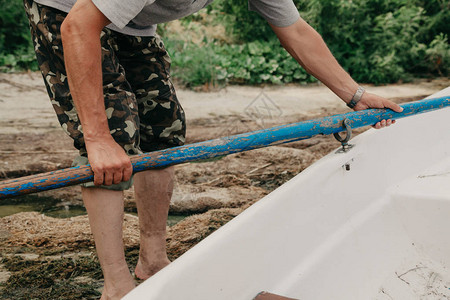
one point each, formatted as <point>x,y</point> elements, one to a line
<point>153,191</point>
<point>105,211</point>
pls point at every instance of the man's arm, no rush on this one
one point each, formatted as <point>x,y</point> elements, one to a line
<point>80,33</point>
<point>309,49</point>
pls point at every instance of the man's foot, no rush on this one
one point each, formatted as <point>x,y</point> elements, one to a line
<point>113,294</point>
<point>118,283</point>
<point>146,271</point>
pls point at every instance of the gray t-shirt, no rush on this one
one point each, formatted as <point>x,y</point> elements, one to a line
<point>139,17</point>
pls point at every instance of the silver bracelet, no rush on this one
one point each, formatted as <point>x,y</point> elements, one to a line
<point>356,97</point>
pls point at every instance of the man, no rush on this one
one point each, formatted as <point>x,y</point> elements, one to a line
<point>121,102</point>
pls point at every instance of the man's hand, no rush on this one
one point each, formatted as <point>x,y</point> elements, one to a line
<point>373,101</point>
<point>108,160</point>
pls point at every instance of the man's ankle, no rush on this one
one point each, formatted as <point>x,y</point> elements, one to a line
<point>149,268</point>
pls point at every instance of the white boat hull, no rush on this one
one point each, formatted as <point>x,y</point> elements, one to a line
<point>378,231</point>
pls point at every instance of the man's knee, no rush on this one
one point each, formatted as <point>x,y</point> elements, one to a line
<point>157,180</point>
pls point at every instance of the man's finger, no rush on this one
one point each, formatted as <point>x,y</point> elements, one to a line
<point>108,179</point>
<point>98,177</point>
<point>127,172</point>
<point>395,107</point>
<point>117,177</point>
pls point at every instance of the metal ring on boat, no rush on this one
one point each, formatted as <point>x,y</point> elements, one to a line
<point>344,140</point>
<point>348,136</point>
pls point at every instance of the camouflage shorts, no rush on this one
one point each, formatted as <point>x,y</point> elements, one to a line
<point>141,105</point>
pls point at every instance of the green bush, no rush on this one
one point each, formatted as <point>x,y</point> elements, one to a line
<point>244,24</point>
<point>438,55</point>
<point>384,41</point>
<point>376,41</point>
<point>16,49</point>
<point>251,63</point>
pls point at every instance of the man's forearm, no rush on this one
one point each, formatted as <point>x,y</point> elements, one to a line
<point>80,33</point>
<point>309,49</point>
<point>82,56</point>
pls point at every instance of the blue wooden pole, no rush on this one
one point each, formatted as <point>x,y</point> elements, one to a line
<point>222,146</point>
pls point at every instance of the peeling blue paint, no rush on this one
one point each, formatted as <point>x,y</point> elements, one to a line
<point>223,146</point>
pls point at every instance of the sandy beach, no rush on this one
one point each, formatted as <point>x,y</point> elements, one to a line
<point>38,258</point>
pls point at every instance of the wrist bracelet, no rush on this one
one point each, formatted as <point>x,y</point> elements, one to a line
<point>356,97</point>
